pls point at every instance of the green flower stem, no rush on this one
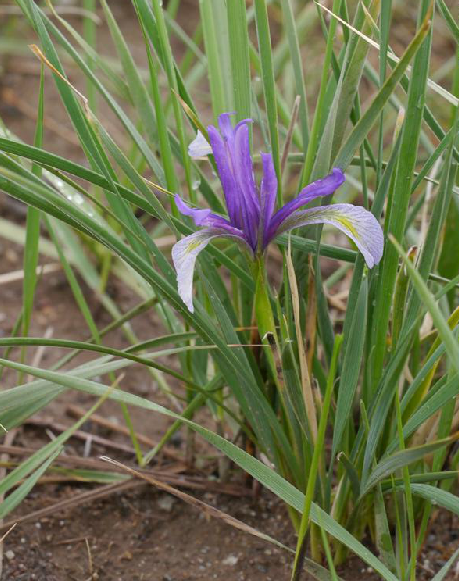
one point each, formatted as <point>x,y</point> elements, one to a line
<point>263,311</point>
<point>317,455</point>
<point>269,338</point>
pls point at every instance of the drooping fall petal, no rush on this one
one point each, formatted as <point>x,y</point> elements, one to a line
<point>185,253</point>
<point>356,222</point>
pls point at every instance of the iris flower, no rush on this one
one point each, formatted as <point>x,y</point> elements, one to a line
<point>252,220</point>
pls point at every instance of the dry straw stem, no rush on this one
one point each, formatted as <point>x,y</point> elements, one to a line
<point>306,381</point>
<point>34,48</point>
<point>15,275</point>
<point>61,10</point>
<point>7,532</point>
<point>291,127</point>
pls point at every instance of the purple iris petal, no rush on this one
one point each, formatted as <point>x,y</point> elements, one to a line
<point>185,253</point>
<point>206,218</point>
<point>317,189</point>
<point>357,223</point>
<point>225,125</point>
<point>268,192</point>
<point>228,182</point>
<point>226,128</point>
<point>199,216</point>
<point>243,170</point>
<point>231,151</point>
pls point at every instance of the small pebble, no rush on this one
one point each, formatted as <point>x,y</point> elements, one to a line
<point>165,503</point>
<point>9,555</point>
<point>230,560</point>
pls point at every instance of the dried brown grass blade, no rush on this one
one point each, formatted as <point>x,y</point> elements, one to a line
<point>305,378</point>
<point>311,315</point>
<point>291,127</point>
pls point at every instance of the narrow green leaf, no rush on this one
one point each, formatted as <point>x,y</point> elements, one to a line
<point>239,50</point>
<point>135,83</point>
<point>297,62</point>
<point>449,19</point>
<point>437,496</point>
<point>446,567</point>
<point>445,394</point>
<point>401,459</point>
<point>351,368</point>
<point>168,63</point>
<point>32,228</point>
<point>366,122</point>
<point>402,190</point>
<point>213,52</point>
<point>18,495</point>
<point>449,340</point>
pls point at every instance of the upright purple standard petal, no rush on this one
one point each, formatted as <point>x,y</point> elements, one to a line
<point>268,192</point>
<point>243,170</point>
<point>225,125</point>
<point>229,185</point>
<point>231,149</point>
<point>357,223</point>
<point>317,189</point>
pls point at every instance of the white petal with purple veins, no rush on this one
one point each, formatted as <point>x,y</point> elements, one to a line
<point>199,148</point>
<point>356,222</point>
<point>185,253</point>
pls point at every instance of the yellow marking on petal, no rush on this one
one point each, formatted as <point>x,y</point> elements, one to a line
<point>193,245</point>
<point>347,224</point>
